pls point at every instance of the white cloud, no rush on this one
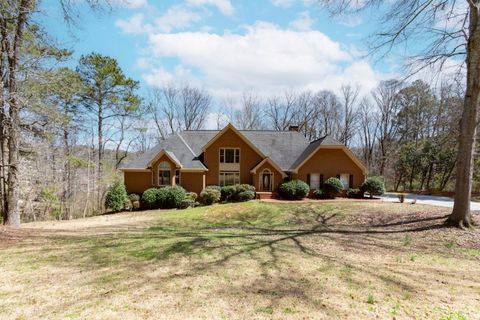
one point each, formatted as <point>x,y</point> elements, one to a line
<point>303,23</point>
<point>265,58</point>
<point>177,17</point>
<point>225,6</point>
<point>134,25</point>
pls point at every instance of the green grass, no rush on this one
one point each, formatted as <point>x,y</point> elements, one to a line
<point>244,260</point>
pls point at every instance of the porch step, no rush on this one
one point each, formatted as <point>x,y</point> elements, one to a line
<point>265,195</point>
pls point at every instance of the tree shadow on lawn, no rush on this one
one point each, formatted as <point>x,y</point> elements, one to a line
<point>217,247</point>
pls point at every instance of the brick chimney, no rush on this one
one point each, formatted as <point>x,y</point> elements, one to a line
<point>293,128</point>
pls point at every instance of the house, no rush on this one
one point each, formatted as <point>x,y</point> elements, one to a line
<point>263,158</point>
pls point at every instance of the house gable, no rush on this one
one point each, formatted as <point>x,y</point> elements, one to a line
<point>331,161</point>
<point>343,148</point>
<point>229,137</point>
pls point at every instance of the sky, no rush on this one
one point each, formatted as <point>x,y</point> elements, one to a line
<point>227,47</point>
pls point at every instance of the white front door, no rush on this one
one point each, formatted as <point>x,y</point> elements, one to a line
<point>344,178</point>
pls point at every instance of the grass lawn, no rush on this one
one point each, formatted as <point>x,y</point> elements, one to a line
<point>356,260</point>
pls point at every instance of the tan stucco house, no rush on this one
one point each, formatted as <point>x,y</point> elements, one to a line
<point>195,159</point>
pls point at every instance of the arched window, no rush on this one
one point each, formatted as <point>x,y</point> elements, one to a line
<point>164,174</point>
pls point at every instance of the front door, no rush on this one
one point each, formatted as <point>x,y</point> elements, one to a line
<point>266,182</point>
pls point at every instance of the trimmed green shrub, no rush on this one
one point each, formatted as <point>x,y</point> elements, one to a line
<point>373,186</point>
<point>355,193</point>
<point>228,192</point>
<point>214,187</point>
<point>332,187</point>
<point>116,196</point>
<point>244,187</point>
<point>246,195</point>
<point>210,195</point>
<point>174,195</point>
<point>161,194</point>
<point>149,198</point>
<point>294,190</point>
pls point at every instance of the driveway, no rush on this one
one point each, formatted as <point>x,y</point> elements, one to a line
<point>431,200</point>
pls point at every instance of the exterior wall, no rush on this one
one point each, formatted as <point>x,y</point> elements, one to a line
<point>155,170</point>
<point>331,162</point>
<point>192,181</point>
<point>137,182</point>
<point>277,177</point>
<point>248,157</point>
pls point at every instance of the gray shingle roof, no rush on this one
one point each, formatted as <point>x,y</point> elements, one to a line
<point>285,148</point>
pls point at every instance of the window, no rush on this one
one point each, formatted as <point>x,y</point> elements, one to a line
<point>177,177</point>
<point>344,178</point>
<point>229,178</point>
<point>229,155</point>
<point>164,174</point>
<point>314,181</point>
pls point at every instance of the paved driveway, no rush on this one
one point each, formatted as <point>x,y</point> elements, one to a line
<point>431,200</point>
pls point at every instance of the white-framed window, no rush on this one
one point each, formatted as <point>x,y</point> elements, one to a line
<point>314,181</point>
<point>164,174</point>
<point>229,178</point>
<point>229,155</point>
<point>345,179</point>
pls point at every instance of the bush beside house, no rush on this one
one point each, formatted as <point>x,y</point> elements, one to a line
<point>210,195</point>
<point>374,186</point>
<point>332,188</point>
<point>116,196</point>
<point>293,190</point>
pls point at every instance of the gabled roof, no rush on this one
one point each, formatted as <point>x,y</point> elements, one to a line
<point>286,149</point>
<point>325,142</point>
<point>254,170</point>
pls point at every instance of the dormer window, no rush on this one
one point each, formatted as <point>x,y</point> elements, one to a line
<point>229,155</point>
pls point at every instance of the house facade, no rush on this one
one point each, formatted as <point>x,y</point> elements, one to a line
<point>262,158</point>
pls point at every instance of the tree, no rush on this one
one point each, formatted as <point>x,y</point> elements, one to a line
<point>249,117</point>
<point>349,100</point>
<point>453,36</point>
<point>108,95</point>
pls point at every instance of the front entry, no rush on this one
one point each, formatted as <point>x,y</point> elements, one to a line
<point>266,180</point>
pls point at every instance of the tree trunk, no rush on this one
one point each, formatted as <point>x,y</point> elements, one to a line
<point>13,213</point>
<point>461,215</point>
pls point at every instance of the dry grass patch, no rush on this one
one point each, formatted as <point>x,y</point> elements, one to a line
<point>248,260</point>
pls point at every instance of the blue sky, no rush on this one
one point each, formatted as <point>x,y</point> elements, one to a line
<point>227,46</point>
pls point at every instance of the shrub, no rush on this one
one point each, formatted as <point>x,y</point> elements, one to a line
<point>373,186</point>
<point>188,203</point>
<point>332,187</point>
<point>319,194</point>
<point>228,192</point>
<point>172,197</point>
<point>149,198</point>
<point>294,190</point>
<point>191,196</point>
<point>210,195</point>
<point>116,196</point>
<point>161,196</point>
<point>246,195</point>
<point>355,193</point>
<point>244,187</point>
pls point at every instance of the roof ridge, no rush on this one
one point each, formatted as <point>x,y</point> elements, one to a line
<point>186,144</point>
<point>321,138</point>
